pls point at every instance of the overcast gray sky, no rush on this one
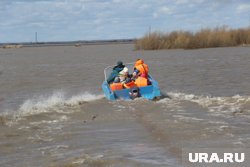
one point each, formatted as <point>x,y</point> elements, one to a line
<point>68,20</point>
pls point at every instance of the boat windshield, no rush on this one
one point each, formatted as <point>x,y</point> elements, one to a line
<point>108,70</point>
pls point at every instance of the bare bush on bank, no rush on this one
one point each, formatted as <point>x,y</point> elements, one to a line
<point>205,38</point>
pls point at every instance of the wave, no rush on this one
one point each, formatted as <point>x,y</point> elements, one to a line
<point>235,104</point>
<point>57,102</point>
<point>57,99</point>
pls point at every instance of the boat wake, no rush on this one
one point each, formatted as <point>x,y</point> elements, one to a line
<point>55,103</point>
<point>231,105</point>
<point>59,103</point>
<point>58,99</point>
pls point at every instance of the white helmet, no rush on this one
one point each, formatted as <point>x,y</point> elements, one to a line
<point>125,69</point>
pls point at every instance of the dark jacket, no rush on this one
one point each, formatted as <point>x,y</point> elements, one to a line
<point>115,73</point>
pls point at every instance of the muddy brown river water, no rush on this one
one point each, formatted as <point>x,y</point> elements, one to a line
<point>53,112</point>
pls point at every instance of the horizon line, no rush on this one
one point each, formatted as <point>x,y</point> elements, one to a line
<point>75,42</point>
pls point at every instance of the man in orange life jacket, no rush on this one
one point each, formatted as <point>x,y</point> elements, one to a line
<point>140,69</point>
<point>116,85</point>
<point>141,73</point>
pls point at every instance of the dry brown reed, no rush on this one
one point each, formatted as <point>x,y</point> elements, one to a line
<point>205,38</point>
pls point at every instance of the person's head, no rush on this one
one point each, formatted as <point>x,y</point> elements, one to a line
<point>139,61</point>
<point>125,70</point>
<point>119,63</point>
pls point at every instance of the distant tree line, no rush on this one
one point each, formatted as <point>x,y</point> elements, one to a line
<point>205,38</point>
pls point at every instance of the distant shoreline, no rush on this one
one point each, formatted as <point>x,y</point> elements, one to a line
<point>66,43</point>
<point>204,38</point>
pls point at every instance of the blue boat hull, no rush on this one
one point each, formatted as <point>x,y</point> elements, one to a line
<point>148,92</point>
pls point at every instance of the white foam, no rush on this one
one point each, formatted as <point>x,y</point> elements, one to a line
<point>53,148</point>
<point>41,104</point>
<point>185,118</point>
<point>234,104</point>
<point>57,102</point>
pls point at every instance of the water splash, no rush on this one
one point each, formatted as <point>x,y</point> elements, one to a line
<point>42,104</point>
<point>57,102</point>
<point>233,104</point>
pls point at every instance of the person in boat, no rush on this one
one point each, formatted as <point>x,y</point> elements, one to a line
<point>124,74</point>
<point>116,85</point>
<point>115,72</point>
<point>140,73</point>
<point>140,69</point>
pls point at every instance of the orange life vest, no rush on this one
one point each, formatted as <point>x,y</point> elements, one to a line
<point>129,85</point>
<point>116,86</point>
<point>141,81</point>
<point>142,67</point>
